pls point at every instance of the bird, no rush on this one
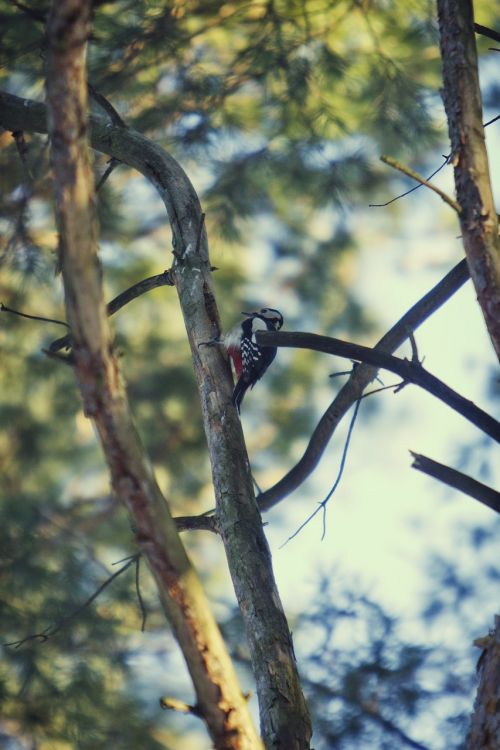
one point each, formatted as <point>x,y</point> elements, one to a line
<point>250,360</point>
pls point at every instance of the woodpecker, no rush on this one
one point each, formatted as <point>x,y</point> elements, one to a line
<point>250,360</point>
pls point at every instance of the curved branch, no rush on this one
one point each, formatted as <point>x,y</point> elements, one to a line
<point>410,370</point>
<point>284,715</point>
<point>104,399</point>
<point>357,382</point>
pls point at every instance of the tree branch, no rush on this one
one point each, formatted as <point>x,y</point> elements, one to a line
<point>360,378</point>
<point>485,31</point>
<point>218,695</point>
<point>410,370</point>
<point>284,716</point>
<point>122,299</point>
<point>462,101</point>
<point>457,480</point>
<point>422,180</point>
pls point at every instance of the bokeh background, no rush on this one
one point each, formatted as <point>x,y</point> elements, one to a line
<point>278,112</point>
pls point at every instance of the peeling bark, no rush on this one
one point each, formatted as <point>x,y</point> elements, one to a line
<point>462,101</point>
<point>485,724</point>
<point>219,699</point>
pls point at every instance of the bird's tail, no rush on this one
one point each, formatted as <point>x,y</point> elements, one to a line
<point>240,389</point>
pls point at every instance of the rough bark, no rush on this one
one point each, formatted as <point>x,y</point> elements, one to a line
<point>462,100</point>
<point>484,733</point>
<point>284,716</point>
<point>219,698</point>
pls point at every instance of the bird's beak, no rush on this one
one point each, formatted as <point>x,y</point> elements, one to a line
<point>248,314</point>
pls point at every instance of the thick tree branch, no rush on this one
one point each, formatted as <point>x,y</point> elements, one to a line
<point>457,480</point>
<point>360,378</point>
<point>284,717</point>
<point>462,101</point>
<point>219,697</point>
<point>410,370</point>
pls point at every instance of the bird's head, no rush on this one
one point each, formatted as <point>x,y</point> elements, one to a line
<point>271,317</point>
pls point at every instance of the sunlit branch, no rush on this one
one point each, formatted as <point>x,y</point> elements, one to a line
<point>422,180</point>
<point>411,190</point>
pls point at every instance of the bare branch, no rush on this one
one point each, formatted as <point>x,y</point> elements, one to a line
<point>323,503</point>
<point>422,180</point>
<point>52,630</point>
<point>457,480</point>
<point>410,370</point>
<point>361,376</point>
<point>485,31</point>
<point>196,523</point>
<point>411,190</point>
<point>122,299</point>
<point>4,308</point>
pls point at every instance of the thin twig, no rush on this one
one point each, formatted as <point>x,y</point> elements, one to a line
<point>411,190</point>
<point>139,595</point>
<point>322,504</point>
<point>173,704</point>
<point>50,631</point>
<point>112,164</point>
<point>22,150</point>
<point>422,180</point>
<point>4,308</point>
<point>136,290</point>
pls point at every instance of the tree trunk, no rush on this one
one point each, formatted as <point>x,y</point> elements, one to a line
<point>219,699</point>
<point>485,723</point>
<point>462,101</point>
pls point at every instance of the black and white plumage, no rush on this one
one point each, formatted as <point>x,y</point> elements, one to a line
<point>250,360</point>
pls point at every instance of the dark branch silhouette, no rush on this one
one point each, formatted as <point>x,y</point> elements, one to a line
<point>457,480</point>
<point>360,378</point>
<point>322,505</point>
<point>485,31</point>
<point>52,630</point>
<point>4,308</point>
<point>410,370</point>
<point>136,290</point>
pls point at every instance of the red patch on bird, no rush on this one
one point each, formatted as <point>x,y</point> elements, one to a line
<point>236,357</point>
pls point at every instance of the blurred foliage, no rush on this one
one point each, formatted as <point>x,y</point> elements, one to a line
<point>278,111</point>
